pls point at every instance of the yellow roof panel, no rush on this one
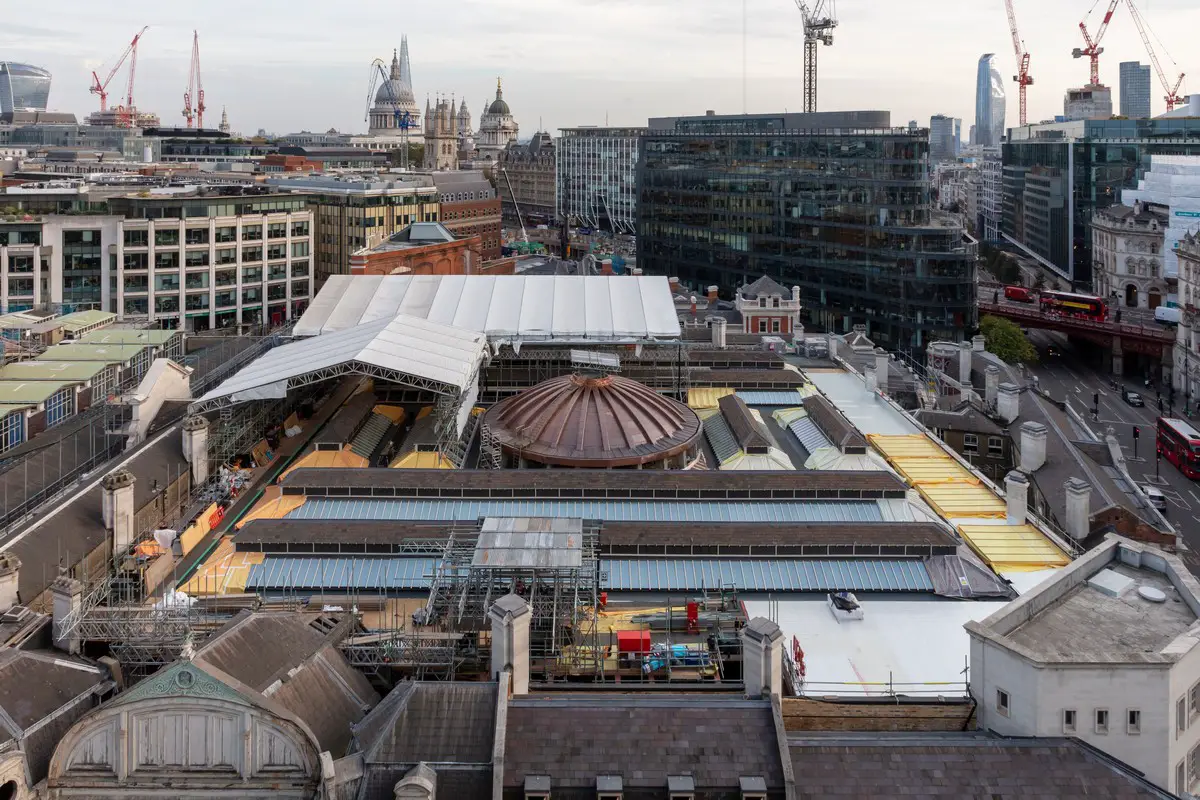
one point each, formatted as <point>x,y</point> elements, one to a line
<point>912,445</point>
<point>394,413</point>
<point>272,508</point>
<point>225,571</point>
<point>1013,548</point>
<point>933,470</point>
<point>786,416</point>
<point>954,500</point>
<point>707,397</point>
<point>422,459</point>
<point>329,459</point>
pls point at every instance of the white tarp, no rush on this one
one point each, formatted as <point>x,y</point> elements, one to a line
<point>402,344</point>
<point>563,308</point>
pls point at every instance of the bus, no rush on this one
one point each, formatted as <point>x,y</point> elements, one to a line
<point>1180,443</point>
<point>1076,305</point>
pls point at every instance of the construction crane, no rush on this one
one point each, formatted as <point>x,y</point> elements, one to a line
<point>819,22</point>
<point>195,88</point>
<point>101,87</point>
<point>513,195</point>
<point>1093,49</point>
<point>1023,78</point>
<point>1172,97</point>
<point>403,119</point>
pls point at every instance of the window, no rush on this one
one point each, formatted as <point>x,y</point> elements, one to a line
<point>1068,720</point>
<point>1133,721</point>
<point>1194,703</point>
<point>166,238</point>
<point>1002,702</point>
<point>1181,777</point>
<point>1101,720</point>
<point>196,236</point>
<point>995,446</point>
<point>251,233</point>
<point>1181,716</point>
<point>135,238</point>
<point>774,326</point>
<point>762,302</point>
<point>970,443</point>
<point>762,326</point>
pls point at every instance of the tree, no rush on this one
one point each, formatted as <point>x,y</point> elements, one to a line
<point>1005,340</point>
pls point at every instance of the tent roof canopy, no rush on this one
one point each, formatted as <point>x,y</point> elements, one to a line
<point>402,349</point>
<point>545,308</point>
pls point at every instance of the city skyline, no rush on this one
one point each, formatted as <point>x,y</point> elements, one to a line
<point>256,68</point>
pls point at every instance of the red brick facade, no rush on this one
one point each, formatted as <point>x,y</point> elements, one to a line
<point>475,218</point>
<point>460,257</point>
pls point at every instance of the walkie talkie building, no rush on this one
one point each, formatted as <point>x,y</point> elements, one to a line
<point>23,87</point>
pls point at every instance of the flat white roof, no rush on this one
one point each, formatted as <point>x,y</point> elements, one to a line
<point>560,308</point>
<point>414,347</point>
<point>865,410</point>
<point>916,643</point>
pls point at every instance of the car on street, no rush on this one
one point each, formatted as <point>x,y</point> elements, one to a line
<point>1132,398</point>
<point>1156,497</point>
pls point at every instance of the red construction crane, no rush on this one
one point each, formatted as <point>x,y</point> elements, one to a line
<point>1023,78</point>
<point>195,86</point>
<point>1093,49</point>
<point>1173,99</point>
<point>101,87</point>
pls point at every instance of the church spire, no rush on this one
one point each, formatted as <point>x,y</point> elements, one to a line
<point>395,72</point>
<point>499,93</point>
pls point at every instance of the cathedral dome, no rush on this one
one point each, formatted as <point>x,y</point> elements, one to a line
<point>498,106</point>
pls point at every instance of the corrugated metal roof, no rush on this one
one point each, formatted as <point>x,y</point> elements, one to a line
<point>615,510</point>
<point>721,438</point>
<point>786,416</point>
<point>143,337</point>
<point>707,397</point>
<point>809,434</point>
<point>80,350</point>
<point>30,392</point>
<point>622,574</point>
<point>74,371</point>
<point>1013,548</point>
<point>770,398</point>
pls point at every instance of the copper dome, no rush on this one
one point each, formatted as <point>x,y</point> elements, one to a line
<point>578,421</point>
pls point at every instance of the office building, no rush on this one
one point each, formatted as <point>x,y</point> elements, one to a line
<point>944,136</point>
<point>1088,102</point>
<point>1094,160</point>
<point>597,184</point>
<point>23,87</point>
<point>1172,183</point>
<point>991,195</point>
<point>989,103</point>
<point>872,253</point>
<point>1135,90</point>
<point>525,177</point>
<point>356,212</point>
<point>469,206</point>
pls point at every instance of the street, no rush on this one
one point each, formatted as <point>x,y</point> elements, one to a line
<point>1063,374</point>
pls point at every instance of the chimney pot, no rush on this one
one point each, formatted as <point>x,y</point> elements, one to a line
<point>1033,447</point>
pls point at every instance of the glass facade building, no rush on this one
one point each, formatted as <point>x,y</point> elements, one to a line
<point>1135,90</point>
<point>989,103</point>
<point>1087,164</point>
<point>23,87</point>
<point>842,213</point>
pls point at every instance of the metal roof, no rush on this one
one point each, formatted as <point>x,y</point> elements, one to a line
<point>139,336</point>
<point>406,345</point>
<point>809,434</point>
<point>615,510</point>
<point>720,438</point>
<point>567,308</point>
<point>73,371</point>
<point>770,398</point>
<point>30,392</point>
<point>8,408</point>
<point>80,350</point>
<point>623,574</point>
<point>529,542</point>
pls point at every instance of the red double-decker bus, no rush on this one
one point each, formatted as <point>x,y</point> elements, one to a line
<point>1076,305</point>
<point>1180,443</point>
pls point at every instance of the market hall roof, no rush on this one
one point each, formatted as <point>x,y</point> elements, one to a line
<point>402,348</point>
<point>512,308</point>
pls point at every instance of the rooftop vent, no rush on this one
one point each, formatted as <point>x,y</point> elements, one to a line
<point>1111,583</point>
<point>1152,594</point>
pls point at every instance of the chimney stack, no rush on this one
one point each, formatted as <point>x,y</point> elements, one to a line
<point>718,333</point>
<point>1016,491</point>
<point>991,386</point>
<point>195,447</point>
<point>762,658</point>
<point>1033,446</point>
<point>674,283</point>
<point>796,294</point>
<point>68,597</point>
<point>978,344</point>
<point>964,363</point>
<point>712,294</point>
<point>693,307</point>
<point>116,508</point>
<point>1008,402</point>
<point>10,572</point>
<point>872,380</point>
<point>510,616</point>
<point>1079,508</point>
<point>881,369</point>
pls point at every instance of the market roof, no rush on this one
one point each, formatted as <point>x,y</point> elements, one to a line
<point>76,321</point>
<point>405,348</point>
<point>8,408</point>
<point>80,350</point>
<point>30,392</point>
<point>138,336</point>
<point>63,371</point>
<point>566,308</point>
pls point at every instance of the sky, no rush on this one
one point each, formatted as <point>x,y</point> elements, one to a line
<point>304,64</point>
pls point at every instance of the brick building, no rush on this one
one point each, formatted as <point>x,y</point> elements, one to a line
<point>470,207</point>
<point>424,248</point>
<point>767,307</point>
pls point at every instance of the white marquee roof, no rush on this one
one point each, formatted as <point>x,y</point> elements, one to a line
<point>560,308</point>
<point>397,347</point>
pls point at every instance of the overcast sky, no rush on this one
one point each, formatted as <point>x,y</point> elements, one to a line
<point>303,64</point>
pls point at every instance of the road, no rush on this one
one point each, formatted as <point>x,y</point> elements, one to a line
<point>1067,375</point>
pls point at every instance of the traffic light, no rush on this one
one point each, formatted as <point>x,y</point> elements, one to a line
<point>1136,432</point>
<point>1096,399</point>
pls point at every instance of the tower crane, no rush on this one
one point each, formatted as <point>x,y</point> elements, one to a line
<point>1093,49</point>
<point>1023,78</point>
<point>819,22</point>
<point>101,87</point>
<point>404,121</point>
<point>195,87</point>
<point>1172,97</point>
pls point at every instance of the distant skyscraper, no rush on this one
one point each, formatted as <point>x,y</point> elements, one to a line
<point>23,87</point>
<point>944,137</point>
<point>989,103</point>
<point>973,138</point>
<point>1135,90</point>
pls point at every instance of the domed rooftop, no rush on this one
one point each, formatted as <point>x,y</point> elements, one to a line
<point>397,89</point>
<point>582,421</point>
<point>498,105</point>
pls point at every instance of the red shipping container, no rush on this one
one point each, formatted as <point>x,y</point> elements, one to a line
<point>633,641</point>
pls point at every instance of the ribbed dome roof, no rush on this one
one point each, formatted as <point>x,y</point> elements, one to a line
<point>498,106</point>
<point>578,421</point>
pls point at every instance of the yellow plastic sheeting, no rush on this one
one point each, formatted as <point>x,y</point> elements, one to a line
<point>921,471</point>
<point>911,445</point>
<point>225,571</point>
<point>707,397</point>
<point>421,460</point>
<point>963,500</point>
<point>424,412</point>
<point>1013,548</point>
<point>786,416</point>
<point>329,459</point>
<point>395,413</point>
<point>199,528</point>
<point>272,508</point>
